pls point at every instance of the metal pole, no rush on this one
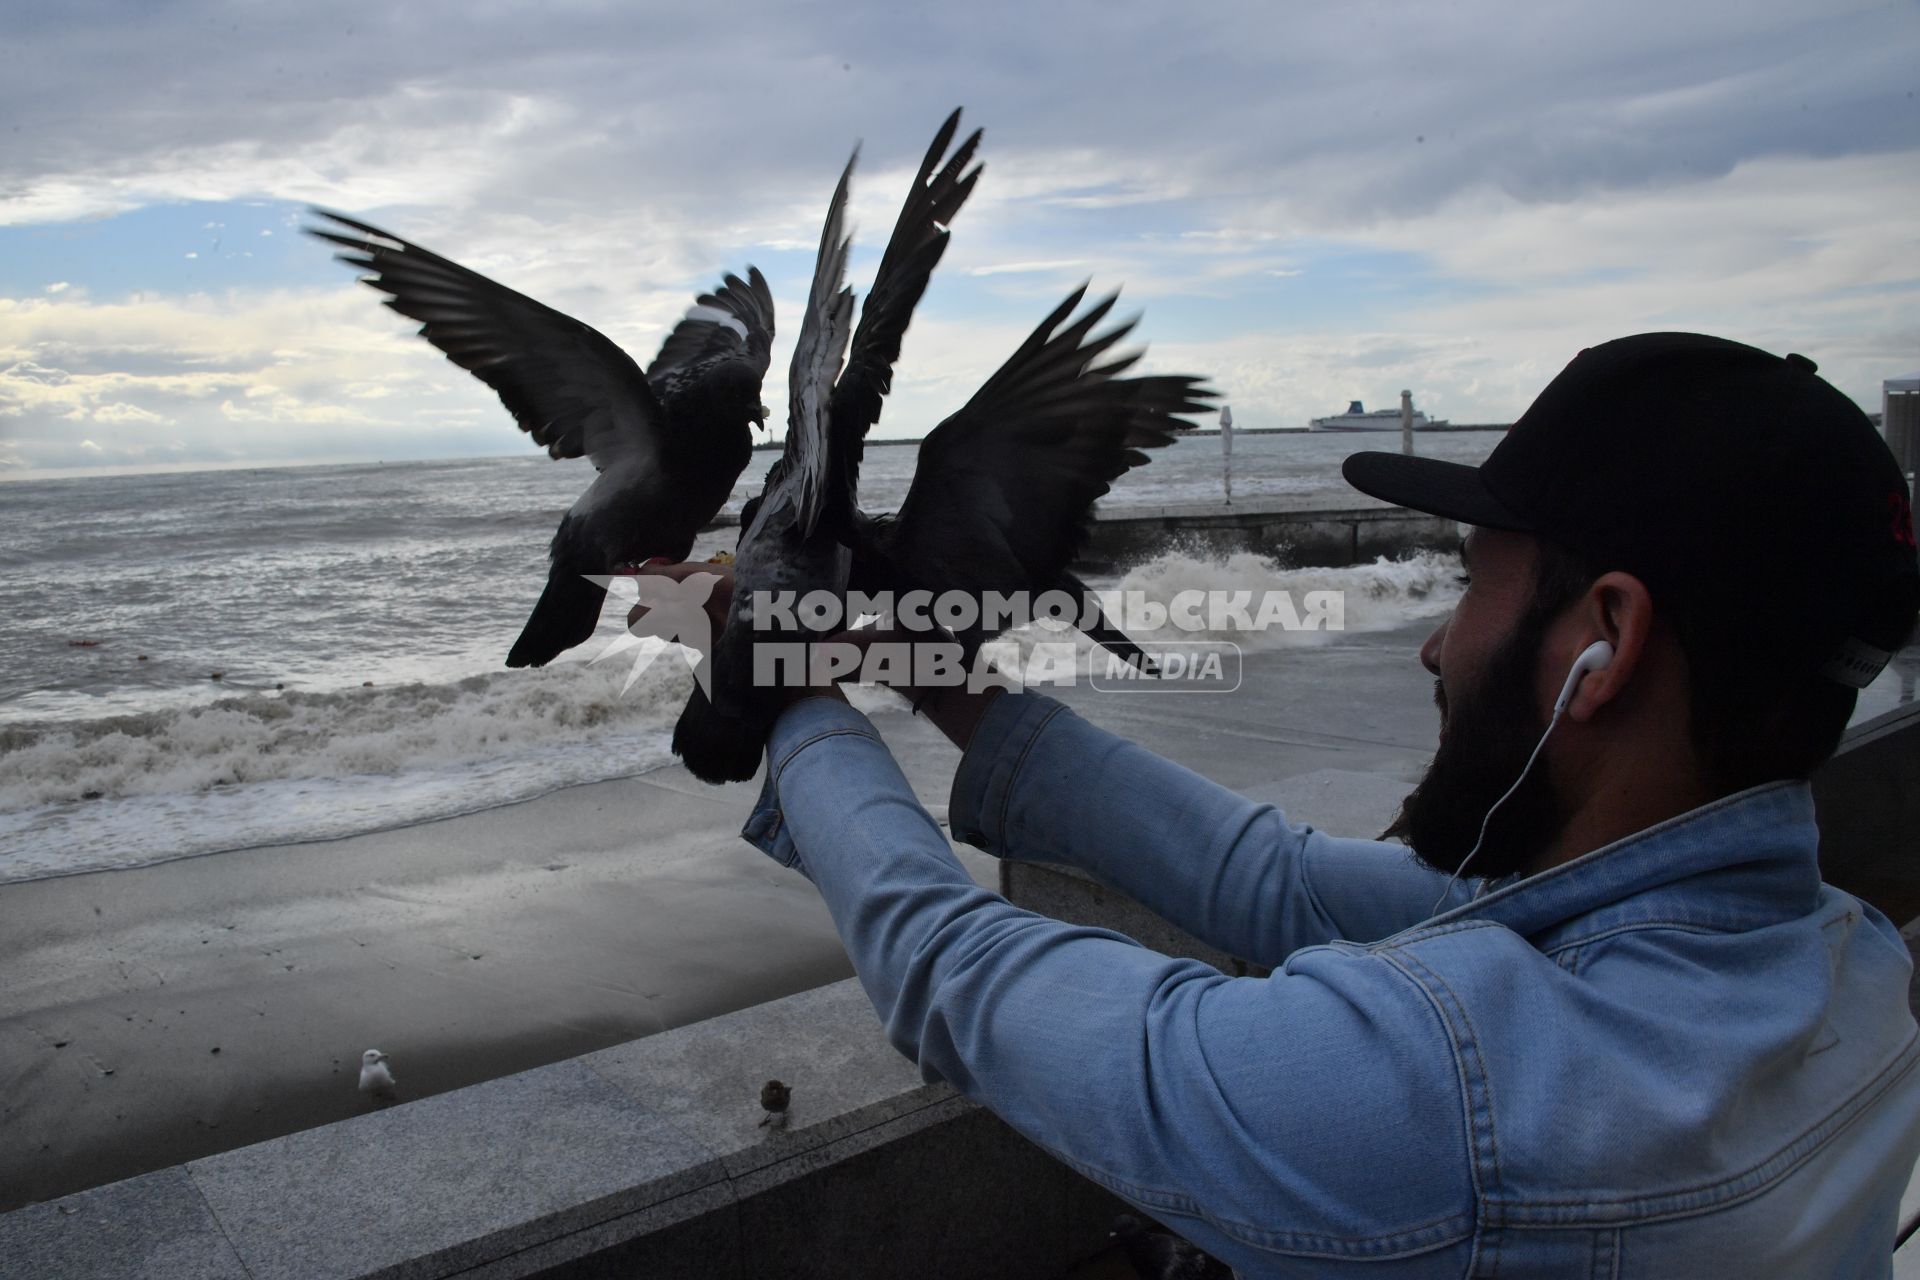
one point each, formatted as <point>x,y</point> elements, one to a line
<point>1406,422</point>
<point>1900,425</point>
<point>1226,451</point>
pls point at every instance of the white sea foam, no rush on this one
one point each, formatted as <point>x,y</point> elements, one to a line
<point>1381,596</point>
<point>266,768</point>
<point>1375,597</point>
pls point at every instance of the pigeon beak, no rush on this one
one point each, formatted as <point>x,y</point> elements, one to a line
<point>760,417</point>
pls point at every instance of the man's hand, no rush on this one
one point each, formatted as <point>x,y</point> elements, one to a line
<point>717,603</point>
<point>954,710</point>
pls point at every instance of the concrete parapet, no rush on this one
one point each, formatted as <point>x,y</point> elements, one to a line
<point>1869,807</point>
<point>153,1227</point>
<point>1298,533</point>
<point>645,1159</point>
<point>1301,532</point>
<point>649,1159</point>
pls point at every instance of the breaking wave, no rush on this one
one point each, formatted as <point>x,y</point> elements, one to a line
<point>269,768</point>
<point>1380,596</point>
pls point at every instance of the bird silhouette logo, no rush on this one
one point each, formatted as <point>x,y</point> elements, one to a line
<point>676,612</point>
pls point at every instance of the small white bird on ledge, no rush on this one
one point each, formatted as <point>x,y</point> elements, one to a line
<point>376,1081</point>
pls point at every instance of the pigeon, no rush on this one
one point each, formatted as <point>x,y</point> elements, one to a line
<point>1003,491</point>
<point>774,1097</point>
<point>794,533</point>
<point>1158,1255</point>
<point>667,445</point>
<point>1001,500</point>
<point>376,1081</point>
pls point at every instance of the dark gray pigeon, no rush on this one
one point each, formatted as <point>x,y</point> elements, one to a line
<point>1001,497</point>
<point>795,533</point>
<point>1003,491</point>
<point>667,445</point>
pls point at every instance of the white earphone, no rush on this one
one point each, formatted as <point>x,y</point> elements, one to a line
<point>1597,656</point>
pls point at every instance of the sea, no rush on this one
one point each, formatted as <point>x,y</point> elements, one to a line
<point>213,660</point>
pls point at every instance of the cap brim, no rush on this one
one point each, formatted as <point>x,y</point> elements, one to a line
<point>1450,489</point>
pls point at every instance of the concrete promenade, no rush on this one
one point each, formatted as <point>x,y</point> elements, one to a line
<point>647,1158</point>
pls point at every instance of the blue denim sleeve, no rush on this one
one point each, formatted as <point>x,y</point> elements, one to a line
<point>1314,1114</point>
<point>1039,783</point>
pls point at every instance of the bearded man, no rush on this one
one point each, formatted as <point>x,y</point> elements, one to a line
<point>1597,1016</point>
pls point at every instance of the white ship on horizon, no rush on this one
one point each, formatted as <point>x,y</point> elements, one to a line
<point>1357,418</point>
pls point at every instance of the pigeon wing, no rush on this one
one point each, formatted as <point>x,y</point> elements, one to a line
<point>734,320</point>
<point>817,354</point>
<point>919,239</point>
<point>565,383</point>
<point>1003,492</point>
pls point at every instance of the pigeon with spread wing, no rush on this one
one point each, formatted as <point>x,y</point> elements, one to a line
<point>796,535</point>
<point>1003,491</point>
<point>1002,495</point>
<point>667,444</point>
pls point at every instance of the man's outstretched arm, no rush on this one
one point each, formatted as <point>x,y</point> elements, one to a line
<point>1256,1114</point>
<point>1039,783</point>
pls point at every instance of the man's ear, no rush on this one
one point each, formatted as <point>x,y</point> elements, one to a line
<point>1617,608</point>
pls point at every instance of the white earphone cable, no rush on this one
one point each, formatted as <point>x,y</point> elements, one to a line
<point>1454,878</point>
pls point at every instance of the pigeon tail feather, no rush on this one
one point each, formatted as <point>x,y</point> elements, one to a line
<point>719,748</point>
<point>568,613</point>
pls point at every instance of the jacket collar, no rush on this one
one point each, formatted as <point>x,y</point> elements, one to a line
<point>1740,862</point>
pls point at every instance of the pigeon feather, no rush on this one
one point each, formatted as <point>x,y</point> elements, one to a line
<point>914,249</point>
<point>817,355</point>
<point>668,444</point>
<point>1003,492</point>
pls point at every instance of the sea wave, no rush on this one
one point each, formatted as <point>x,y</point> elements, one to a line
<point>1380,596</point>
<point>272,768</point>
<point>281,767</point>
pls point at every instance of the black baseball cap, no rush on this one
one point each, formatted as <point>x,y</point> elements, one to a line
<point>1704,467</point>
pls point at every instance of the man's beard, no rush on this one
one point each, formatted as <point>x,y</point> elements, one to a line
<point>1490,733</point>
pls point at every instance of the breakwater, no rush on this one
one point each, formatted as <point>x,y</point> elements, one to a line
<point>1299,532</point>
<point>1295,531</point>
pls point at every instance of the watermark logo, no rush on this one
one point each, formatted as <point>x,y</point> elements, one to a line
<point>675,612</point>
<point>1190,666</point>
<point>792,647</point>
<point>824,612</point>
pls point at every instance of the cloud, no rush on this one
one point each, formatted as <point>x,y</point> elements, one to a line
<point>1106,109</point>
<point>237,375</point>
<point>1313,203</point>
<point>1021,268</point>
<point>121,412</point>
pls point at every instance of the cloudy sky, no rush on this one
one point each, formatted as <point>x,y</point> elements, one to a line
<point>1311,203</point>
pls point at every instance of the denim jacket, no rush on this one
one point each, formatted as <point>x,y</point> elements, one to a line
<point>1680,1055</point>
